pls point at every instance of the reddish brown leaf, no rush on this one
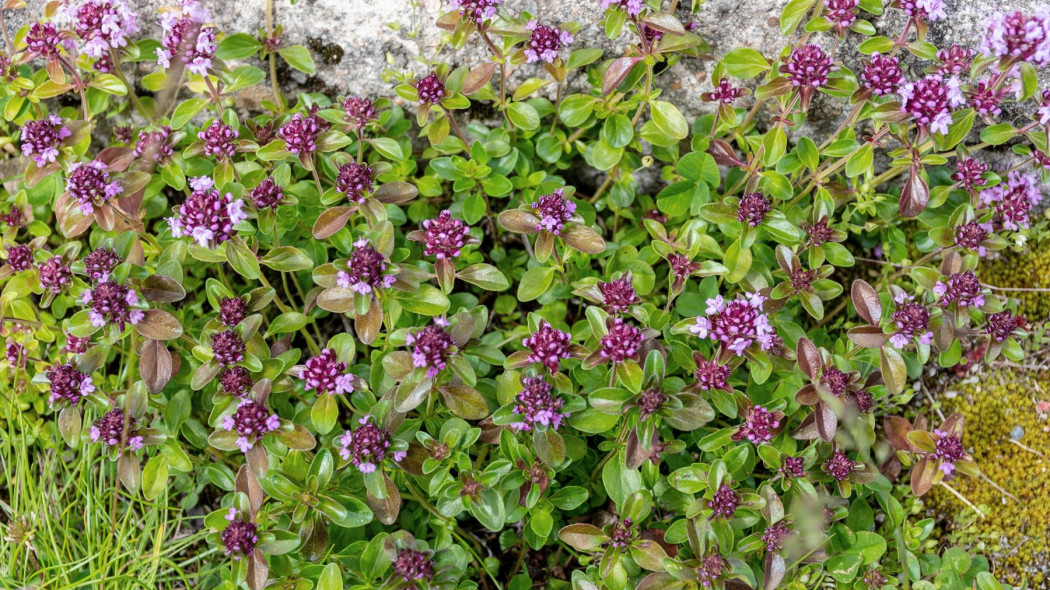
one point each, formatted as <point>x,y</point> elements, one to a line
<point>162,289</point>
<point>155,366</point>
<point>330,221</point>
<point>616,73</point>
<point>158,324</point>
<point>915,194</point>
<point>477,78</point>
<point>866,302</point>
<point>395,192</point>
<point>808,358</point>
<point>868,336</point>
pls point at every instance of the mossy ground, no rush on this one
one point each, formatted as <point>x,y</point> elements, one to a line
<point>1000,406</point>
<point>1029,270</point>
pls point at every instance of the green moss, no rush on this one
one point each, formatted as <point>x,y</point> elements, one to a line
<point>1030,269</point>
<point>1013,533</point>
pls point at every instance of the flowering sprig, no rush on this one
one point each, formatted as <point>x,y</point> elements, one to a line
<point>552,216</point>
<point>937,456</point>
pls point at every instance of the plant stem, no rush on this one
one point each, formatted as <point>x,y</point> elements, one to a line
<point>278,97</point>
<point>455,127</point>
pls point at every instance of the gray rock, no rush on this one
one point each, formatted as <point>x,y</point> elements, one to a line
<point>360,45</point>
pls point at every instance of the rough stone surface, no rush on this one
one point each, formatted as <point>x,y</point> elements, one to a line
<point>360,45</point>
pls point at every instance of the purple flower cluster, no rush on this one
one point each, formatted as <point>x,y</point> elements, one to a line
<point>476,11</point>
<point>89,184</point>
<point>985,97</point>
<point>1013,199</point>
<point>20,258</point>
<point>622,342</point>
<point>325,373</point>
<point>808,66</point>
<point>948,450</point>
<point>111,302</point>
<point>554,210</point>
<point>355,181</point>
<point>548,345</point>
<point>738,324</point>
<point>1016,36</point>
<point>1003,324</point>
<point>971,236</point>
<point>882,74</point>
<point>267,195</point>
<point>931,10</point>
<point>724,93</point>
<point>631,7</point>
<point>954,60</point>
<point>545,42</point>
<point>235,381</point>
<point>431,347</point>
<point>240,536</point>
<point>104,25</point>
<point>961,288</point>
<point>835,380</point>
<point>232,310</point>
<point>100,263</point>
<point>724,503</point>
<point>618,294</point>
<point>413,566</point>
<point>218,140</point>
<point>207,215</point>
<point>43,40</point>
<point>774,536</point>
<point>364,270</point>
<point>68,384</point>
<point>55,275</point>
<point>650,401</point>
<point>360,112</point>
<point>186,37</point>
<point>430,89</point>
<point>15,354</point>
<point>709,570</point>
<point>752,209</point>
<point>968,173</point>
<point>537,404</point>
<point>839,466</point>
<point>711,375</point>
<point>76,345</point>
<point>155,145</point>
<point>760,425</point>
<point>444,236</point>
<point>930,101</point>
<point>227,347</point>
<point>300,133</point>
<point>251,421</point>
<point>41,138</point>
<point>109,430</point>
<point>681,268</point>
<point>793,467</point>
<point>366,447</point>
<point>841,13</point>
<point>912,320</point>
<point>621,534</point>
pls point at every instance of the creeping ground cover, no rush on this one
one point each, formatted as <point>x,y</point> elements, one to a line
<point>519,322</point>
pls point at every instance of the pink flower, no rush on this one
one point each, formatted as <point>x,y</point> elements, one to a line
<point>738,324</point>
<point>545,42</point>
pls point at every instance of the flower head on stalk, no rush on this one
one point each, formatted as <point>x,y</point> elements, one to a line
<point>325,373</point>
<point>111,302</point>
<point>963,289</point>
<point>367,446</point>
<point>89,184</point>
<point>155,145</point>
<point>103,25</point>
<point>911,320</point>
<point>207,215</point>
<point>251,421</point>
<point>186,37</point>
<point>267,195</point>
<point>443,237</point>
<point>366,270</point>
<point>100,263</point>
<point>737,324</point>
<point>68,384</point>
<point>545,42</point>
<point>537,404</point>
<point>55,275</point>
<point>618,295</point>
<point>41,139</point>
<point>807,69</point>
<point>360,112</point>
<point>631,7</point>
<point>432,347</point>
<point>19,258</point>
<point>240,535</point>
<point>1003,325</point>
<point>300,133</point>
<point>930,101</point>
<point>109,430</point>
<point>1014,36</point>
<point>218,139</point>
<point>1013,199</point>
<point>882,74</point>
<point>548,346</point>
<point>476,11</point>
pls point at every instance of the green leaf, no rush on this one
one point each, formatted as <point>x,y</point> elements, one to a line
<point>879,44</point>
<point>576,109</point>
<point>109,84</point>
<point>860,162</point>
<point>745,63</point>
<point>186,110</point>
<point>428,300</point>
<point>524,116</point>
<point>699,167</point>
<point>583,57</point>
<point>738,261</point>
<point>669,119</point>
<point>154,477</point>
<point>998,134</point>
<point>287,259</point>
<point>869,546</point>
<point>331,578</point>
<point>244,77</point>
<point>793,14</point>
<point>242,259</point>
<point>238,46</point>
<point>388,147</point>
<point>617,131</point>
<point>486,276</point>
<point>289,321</point>
<point>299,58</point>
<point>535,282</point>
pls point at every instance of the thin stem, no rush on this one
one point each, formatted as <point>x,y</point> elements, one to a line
<point>455,127</point>
<point>115,58</point>
<point>317,178</point>
<point>998,487</point>
<point>963,498</point>
<point>7,36</point>
<point>278,97</point>
<point>1021,289</point>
